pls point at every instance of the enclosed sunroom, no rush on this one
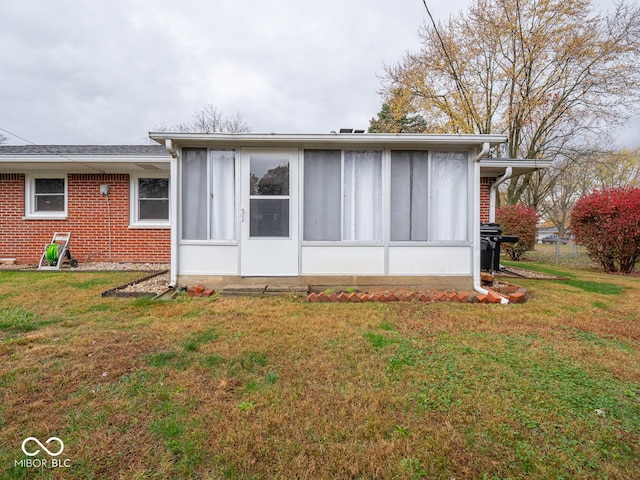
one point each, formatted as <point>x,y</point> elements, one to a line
<point>344,209</point>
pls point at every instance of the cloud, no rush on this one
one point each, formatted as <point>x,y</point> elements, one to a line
<point>108,72</point>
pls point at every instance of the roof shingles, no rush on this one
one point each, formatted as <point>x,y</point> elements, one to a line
<point>68,150</point>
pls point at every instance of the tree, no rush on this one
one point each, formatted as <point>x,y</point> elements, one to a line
<point>518,220</point>
<point>552,75</point>
<point>617,169</point>
<point>3,139</point>
<point>394,120</point>
<point>607,222</point>
<point>210,120</point>
<point>573,179</point>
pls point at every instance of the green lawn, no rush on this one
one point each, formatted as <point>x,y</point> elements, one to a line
<point>278,388</point>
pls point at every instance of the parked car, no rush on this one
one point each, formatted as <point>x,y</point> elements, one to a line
<point>554,239</point>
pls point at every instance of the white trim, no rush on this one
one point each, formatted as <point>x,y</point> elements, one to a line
<point>338,140</point>
<point>134,220</point>
<point>29,197</point>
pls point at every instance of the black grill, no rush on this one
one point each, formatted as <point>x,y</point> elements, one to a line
<point>490,240</point>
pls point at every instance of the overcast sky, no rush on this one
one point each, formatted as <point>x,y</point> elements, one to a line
<point>76,71</point>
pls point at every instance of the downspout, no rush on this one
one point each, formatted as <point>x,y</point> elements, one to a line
<point>494,189</point>
<point>476,237</point>
<point>173,214</point>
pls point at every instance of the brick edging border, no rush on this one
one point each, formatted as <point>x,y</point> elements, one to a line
<point>494,296</point>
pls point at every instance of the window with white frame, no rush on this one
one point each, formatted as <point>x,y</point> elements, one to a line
<point>149,200</point>
<point>208,195</point>
<point>428,193</point>
<point>342,195</point>
<point>429,196</point>
<point>409,195</point>
<point>46,196</point>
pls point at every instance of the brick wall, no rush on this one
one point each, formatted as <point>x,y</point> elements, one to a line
<point>99,224</point>
<point>485,188</point>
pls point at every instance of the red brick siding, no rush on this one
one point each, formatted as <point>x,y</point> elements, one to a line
<point>485,189</point>
<point>88,220</point>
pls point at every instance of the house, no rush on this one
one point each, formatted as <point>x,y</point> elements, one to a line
<point>114,200</point>
<point>342,209</point>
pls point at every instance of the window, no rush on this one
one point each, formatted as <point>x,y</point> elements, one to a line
<point>149,201</point>
<point>449,189</point>
<point>208,195</point>
<point>46,197</point>
<point>342,195</point>
<point>269,196</point>
<point>427,191</point>
<point>409,196</point>
<point>429,196</point>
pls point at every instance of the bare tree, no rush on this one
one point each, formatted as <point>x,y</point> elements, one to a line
<point>209,120</point>
<point>3,139</point>
<point>555,76</point>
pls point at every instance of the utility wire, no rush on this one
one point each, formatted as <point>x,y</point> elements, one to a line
<point>459,85</point>
<point>51,151</point>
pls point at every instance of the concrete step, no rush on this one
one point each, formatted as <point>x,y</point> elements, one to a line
<point>259,290</point>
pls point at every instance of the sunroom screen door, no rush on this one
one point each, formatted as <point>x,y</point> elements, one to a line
<point>269,212</point>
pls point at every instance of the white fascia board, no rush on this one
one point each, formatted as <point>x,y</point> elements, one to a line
<point>497,166</point>
<point>372,140</point>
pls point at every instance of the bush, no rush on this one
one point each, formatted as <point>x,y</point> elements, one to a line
<point>607,223</point>
<point>518,220</point>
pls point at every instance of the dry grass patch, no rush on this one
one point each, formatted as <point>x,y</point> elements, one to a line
<point>276,387</point>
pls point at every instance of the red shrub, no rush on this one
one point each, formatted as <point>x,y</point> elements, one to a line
<point>518,220</point>
<point>607,222</point>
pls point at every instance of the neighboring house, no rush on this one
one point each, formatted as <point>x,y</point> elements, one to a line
<point>342,209</point>
<point>47,189</point>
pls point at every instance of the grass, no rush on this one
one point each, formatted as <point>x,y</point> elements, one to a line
<point>254,388</point>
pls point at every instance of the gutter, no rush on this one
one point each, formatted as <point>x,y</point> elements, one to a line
<point>476,249</point>
<point>173,214</point>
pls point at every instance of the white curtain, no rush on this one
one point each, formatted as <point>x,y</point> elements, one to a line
<point>362,217</point>
<point>322,191</point>
<point>449,206</point>
<point>194,194</point>
<point>223,207</point>
<point>409,195</point>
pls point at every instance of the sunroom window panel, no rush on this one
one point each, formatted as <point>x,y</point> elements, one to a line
<point>362,207</point>
<point>194,194</point>
<point>322,192</point>
<point>448,209</point>
<point>409,196</point>
<point>223,207</point>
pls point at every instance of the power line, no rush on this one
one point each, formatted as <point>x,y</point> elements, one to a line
<point>51,151</point>
<point>450,62</point>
